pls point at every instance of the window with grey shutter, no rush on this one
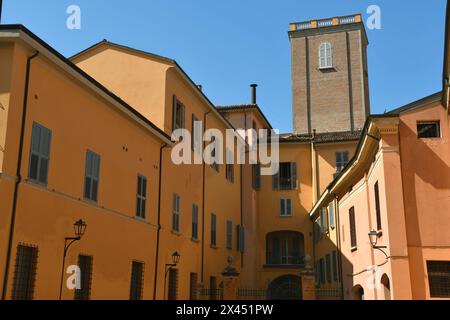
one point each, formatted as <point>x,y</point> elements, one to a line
<point>229,234</point>
<point>173,284</point>
<point>256,176</point>
<point>39,154</point>
<point>377,206</point>
<point>324,220</point>
<point>92,175</point>
<point>137,280</point>
<point>286,207</point>
<point>331,215</point>
<point>213,230</point>
<point>293,175</point>
<point>335,266</point>
<point>178,114</point>
<point>194,222</point>
<point>286,178</point>
<point>176,213</point>
<point>229,168</point>
<point>141,197</point>
<point>352,228</point>
<point>328,267</point>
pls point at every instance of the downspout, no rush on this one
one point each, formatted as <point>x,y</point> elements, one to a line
<point>159,220</point>
<point>18,175</point>
<point>242,190</point>
<point>339,246</point>
<point>203,203</point>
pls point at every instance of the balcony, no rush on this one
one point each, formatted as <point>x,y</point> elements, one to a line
<point>323,23</point>
<point>284,262</point>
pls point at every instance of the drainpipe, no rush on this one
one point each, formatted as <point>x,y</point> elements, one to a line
<point>205,115</point>
<point>18,175</point>
<point>161,149</point>
<point>339,246</point>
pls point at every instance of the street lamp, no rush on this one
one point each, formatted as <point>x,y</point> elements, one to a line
<point>373,236</point>
<point>169,266</point>
<point>79,228</point>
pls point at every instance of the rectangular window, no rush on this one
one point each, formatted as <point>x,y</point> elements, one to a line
<point>377,206</point>
<point>196,135</point>
<point>342,159</point>
<point>229,169</point>
<point>324,220</point>
<point>322,270</point>
<point>285,207</point>
<point>137,280</point>
<point>335,266</point>
<point>286,178</point>
<point>92,176</point>
<point>439,278</point>
<point>213,230</point>
<point>173,284</point>
<point>85,264</point>
<point>428,129</point>
<point>352,228</point>
<point>141,197</point>
<point>328,267</point>
<point>213,290</point>
<point>331,215</point>
<point>193,286</point>
<point>229,234</point>
<point>240,238</point>
<point>24,273</point>
<point>39,154</point>
<point>256,176</point>
<point>176,213</point>
<point>194,222</point>
<point>317,230</point>
<point>179,114</point>
<point>214,165</point>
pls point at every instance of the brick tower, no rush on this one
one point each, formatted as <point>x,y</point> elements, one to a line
<point>329,75</point>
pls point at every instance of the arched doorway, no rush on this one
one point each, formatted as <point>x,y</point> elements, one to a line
<point>287,287</point>
<point>386,287</point>
<point>358,293</point>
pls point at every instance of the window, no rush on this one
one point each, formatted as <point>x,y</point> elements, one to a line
<point>92,176</point>
<point>342,159</point>
<point>141,197</point>
<point>196,134</point>
<point>285,248</point>
<point>328,267</point>
<point>331,215</point>
<point>137,279</point>
<point>286,178</point>
<point>215,165</point>
<point>193,286</point>
<point>179,114</point>
<point>194,222</point>
<point>256,176</point>
<point>322,270</point>
<point>335,266</point>
<point>173,284</point>
<point>24,273</point>
<point>229,169</point>
<point>377,206</point>
<point>229,234</point>
<point>439,278</point>
<point>213,230</point>
<point>324,220</point>
<point>213,290</point>
<point>39,154</point>
<point>285,207</point>
<point>428,129</point>
<point>325,56</point>
<point>352,228</point>
<point>85,264</point>
<point>240,239</point>
<point>176,213</point>
<point>317,230</point>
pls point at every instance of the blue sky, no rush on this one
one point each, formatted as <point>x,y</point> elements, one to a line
<point>226,45</point>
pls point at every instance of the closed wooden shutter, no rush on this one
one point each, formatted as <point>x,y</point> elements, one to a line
<point>293,175</point>
<point>352,227</point>
<point>377,206</point>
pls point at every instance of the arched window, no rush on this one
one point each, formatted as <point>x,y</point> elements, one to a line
<point>325,56</point>
<point>386,287</point>
<point>285,248</point>
<point>358,293</point>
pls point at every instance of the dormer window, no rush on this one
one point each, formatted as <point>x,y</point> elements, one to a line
<point>325,56</point>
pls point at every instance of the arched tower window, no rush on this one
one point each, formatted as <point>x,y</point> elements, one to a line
<point>325,56</point>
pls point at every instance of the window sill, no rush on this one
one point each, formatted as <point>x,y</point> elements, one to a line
<point>140,219</point>
<point>174,232</point>
<point>325,69</point>
<point>213,247</point>
<point>286,216</point>
<point>283,266</point>
<point>195,240</point>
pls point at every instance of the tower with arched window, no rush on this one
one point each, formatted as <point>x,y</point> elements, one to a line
<point>329,75</point>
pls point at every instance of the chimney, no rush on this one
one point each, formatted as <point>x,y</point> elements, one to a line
<point>200,87</point>
<point>253,86</point>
